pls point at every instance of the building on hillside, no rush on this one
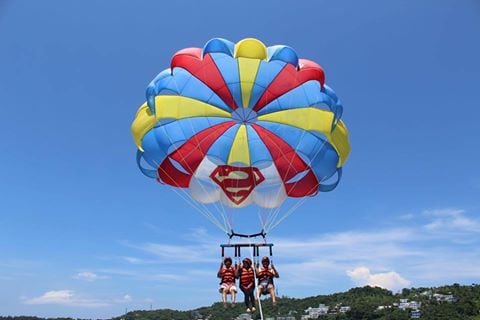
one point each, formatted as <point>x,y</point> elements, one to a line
<point>405,304</point>
<point>444,297</point>
<point>380,308</point>
<point>314,313</point>
<point>415,314</point>
<point>344,309</point>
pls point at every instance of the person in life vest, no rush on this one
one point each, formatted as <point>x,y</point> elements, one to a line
<point>265,275</point>
<point>227,284</point>
<point>246,275</point>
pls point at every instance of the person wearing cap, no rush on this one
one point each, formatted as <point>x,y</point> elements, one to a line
<point>227,283</point>
<point>265,275</point>
<point>246,275</point>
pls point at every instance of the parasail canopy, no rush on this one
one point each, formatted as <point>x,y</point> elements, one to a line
<point>242,123</point>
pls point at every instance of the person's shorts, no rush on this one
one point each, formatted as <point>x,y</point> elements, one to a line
<point>265,287</point>
<point>228,287</point>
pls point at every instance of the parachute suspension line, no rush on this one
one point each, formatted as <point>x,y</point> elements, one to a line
<point>221,210</point>
<point>194,204</point>
<point>290,211</point>
<point>226,223</point>
<point>190,201</point>
<point>206,214</point>
<point>276,221</point>
<point>209,214</point>
<point>274,212</point>
<point>262,217</point>
<point>187,198</point>
<point>255,263</point>
<point>302,200</point>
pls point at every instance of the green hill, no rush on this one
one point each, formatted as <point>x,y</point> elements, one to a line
<point>364,303</point>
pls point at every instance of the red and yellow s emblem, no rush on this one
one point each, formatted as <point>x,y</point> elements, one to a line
<point>237,182</point>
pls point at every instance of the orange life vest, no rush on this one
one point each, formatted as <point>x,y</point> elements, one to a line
<point>228,275</point>
<point>247,276</point>
<point>265,274</point>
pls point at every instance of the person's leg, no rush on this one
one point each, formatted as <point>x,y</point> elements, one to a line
<point>259,292</point>
<point>224,297</point>
<point>233,292</point>
<point>272,294</point>
<point>245,297</point>
<point>251,298</point>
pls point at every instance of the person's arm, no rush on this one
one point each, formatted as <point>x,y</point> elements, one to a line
<point>220,273</point>
<point>238,271</point>
<point>275,272</point>
<point>250,285</point>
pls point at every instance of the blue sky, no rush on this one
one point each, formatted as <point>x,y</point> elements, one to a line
<point>85,234</point>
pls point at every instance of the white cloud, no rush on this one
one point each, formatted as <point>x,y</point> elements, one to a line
<point>175,253</point>
<point>163,253</point>
<point>425,256</point>
<point>147,276</point>
<point>391,280</point>
<point>135,260</point>
<point>126,298</point>
<point>352,245</point>
<point>407,216</point>
<point>88,276</point>
<point>433,248</point>
<point>71,299</point>
<point>66,298</point>
<point>451,220</point>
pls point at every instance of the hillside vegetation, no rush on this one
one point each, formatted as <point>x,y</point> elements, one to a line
<point>363,302</point>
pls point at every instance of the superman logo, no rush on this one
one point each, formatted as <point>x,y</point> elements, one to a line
<point>237,182</point>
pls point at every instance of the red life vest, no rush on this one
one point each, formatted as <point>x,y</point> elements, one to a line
<point>228,275</point>
<point>265,274</point>
<point>247,276</point>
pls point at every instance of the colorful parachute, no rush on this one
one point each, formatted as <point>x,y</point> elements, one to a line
<point>242,123</point>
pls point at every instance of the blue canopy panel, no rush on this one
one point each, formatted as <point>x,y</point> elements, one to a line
<point>219,45</point>
<point>308,94</point>
<point>267,72</point>
<point>181,82</point>
<point>283,53</point>
<point>259,154</point>
<point>164,139</point>
<point>337,107</point>
<point>314,149</point>
<point>228,68</point>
